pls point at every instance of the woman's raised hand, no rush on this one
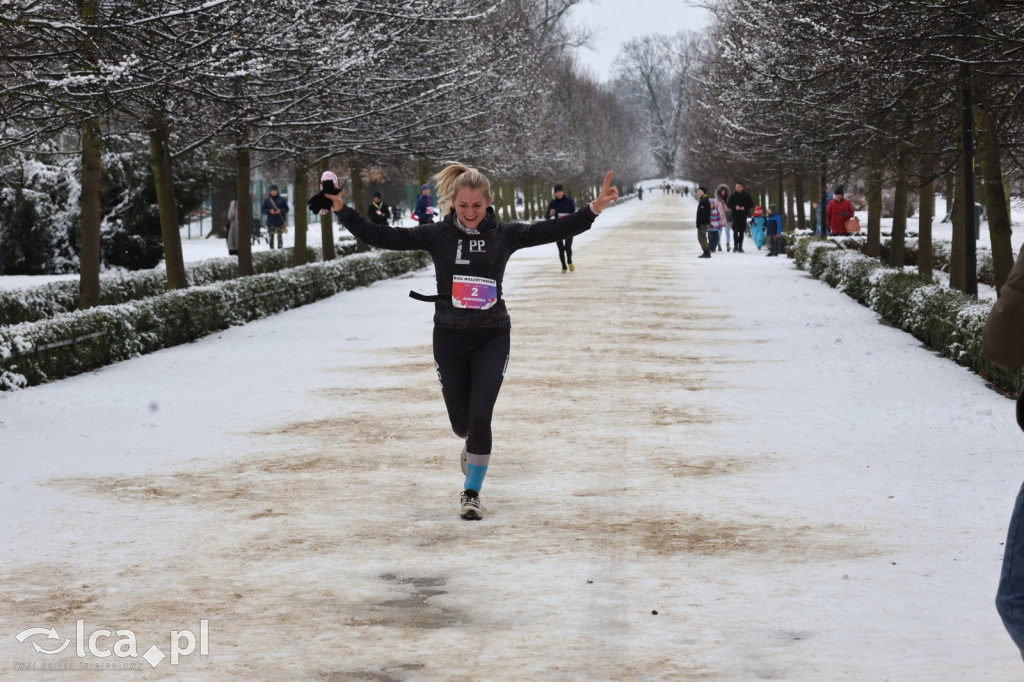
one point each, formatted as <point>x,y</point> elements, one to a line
<point>608,193</point>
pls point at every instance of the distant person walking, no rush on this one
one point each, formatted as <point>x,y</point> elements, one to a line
<point>470,250</point>
<point>741,205</point>
<point>703,221</point>
<point>275,207</point>
<point>424,211</point>
<point>560,206</point>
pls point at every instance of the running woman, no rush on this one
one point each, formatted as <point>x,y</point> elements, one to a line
<point>561,206</point>
<point>470,249</point>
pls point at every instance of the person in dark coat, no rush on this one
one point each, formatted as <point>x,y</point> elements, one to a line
<point>275,207</point>
<point>424,211</point>
<point>378,211</point>
<point>563,205</point>
<point>703,221</point>
<point>741,205</point>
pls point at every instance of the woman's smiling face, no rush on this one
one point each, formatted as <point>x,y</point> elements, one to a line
<point>470,206</point>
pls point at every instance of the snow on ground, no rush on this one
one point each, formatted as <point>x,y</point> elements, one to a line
<point>799,490</point>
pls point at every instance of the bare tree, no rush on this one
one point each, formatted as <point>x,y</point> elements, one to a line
<point>657,74</point>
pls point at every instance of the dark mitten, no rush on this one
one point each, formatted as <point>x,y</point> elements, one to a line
<point>318,203</point>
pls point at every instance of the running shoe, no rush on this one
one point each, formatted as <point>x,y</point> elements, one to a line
<point>470,502</point>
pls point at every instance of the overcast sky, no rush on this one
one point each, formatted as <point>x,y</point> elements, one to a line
<point>619,20</point>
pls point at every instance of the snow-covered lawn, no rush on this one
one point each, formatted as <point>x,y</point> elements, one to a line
<point>797,490</point>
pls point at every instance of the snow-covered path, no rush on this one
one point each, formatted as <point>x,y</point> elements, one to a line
<point>798,491</point>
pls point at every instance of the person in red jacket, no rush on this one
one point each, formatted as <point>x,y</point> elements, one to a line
<point>839,211</point>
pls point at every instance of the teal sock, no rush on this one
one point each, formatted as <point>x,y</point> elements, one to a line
<point>476,469</point>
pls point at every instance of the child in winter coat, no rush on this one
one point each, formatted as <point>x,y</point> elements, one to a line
<point>774,230</point>
<point>758,227</point>
<point>714,229</point>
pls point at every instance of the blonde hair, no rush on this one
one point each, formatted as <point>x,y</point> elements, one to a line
<point>456,176</point>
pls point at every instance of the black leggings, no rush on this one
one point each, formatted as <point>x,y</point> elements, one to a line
<point>565,250</point>
<point>470,366</point>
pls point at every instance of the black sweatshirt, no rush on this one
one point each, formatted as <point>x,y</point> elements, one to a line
<point>703,211</point>
<point>473,263</point>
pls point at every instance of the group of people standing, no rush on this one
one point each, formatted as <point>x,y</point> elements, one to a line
<point>274,207</point>
<point>733,213</point>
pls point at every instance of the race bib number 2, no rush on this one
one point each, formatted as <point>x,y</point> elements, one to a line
<point>474,293</point>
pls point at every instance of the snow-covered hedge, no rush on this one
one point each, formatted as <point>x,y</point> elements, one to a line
<point>942,251</point>
<point>946,320</point>
<point>47,300</point>
<point>71,343</point>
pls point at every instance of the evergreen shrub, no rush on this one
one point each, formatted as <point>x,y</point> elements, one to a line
<point>67,344</point>
<point>47,300</point>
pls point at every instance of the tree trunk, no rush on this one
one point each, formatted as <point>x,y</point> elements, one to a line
<point>89,274</point>
<point>503,193</point>
<point>243,196</point>
<point>327,227</point>
<point>899,213</point>
<point>529,210</point>
<point>513,211</point>
<point>422,173</point>
<point>355,181</point>
<point>800,192</point>
<point>801,201</point>
<point>221,201</point>
<point>160,158</point>
<point>874,197</point>
<point>788,219</point>
<point>926,200</point>
<point>926,216</point>
<point>815,195</point>
<point>301,212</point>
<point>948,188</point>
<point>999,228</point>
<point>957,266</point>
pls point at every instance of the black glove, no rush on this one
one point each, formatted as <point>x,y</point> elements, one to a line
<point>319,203</point>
